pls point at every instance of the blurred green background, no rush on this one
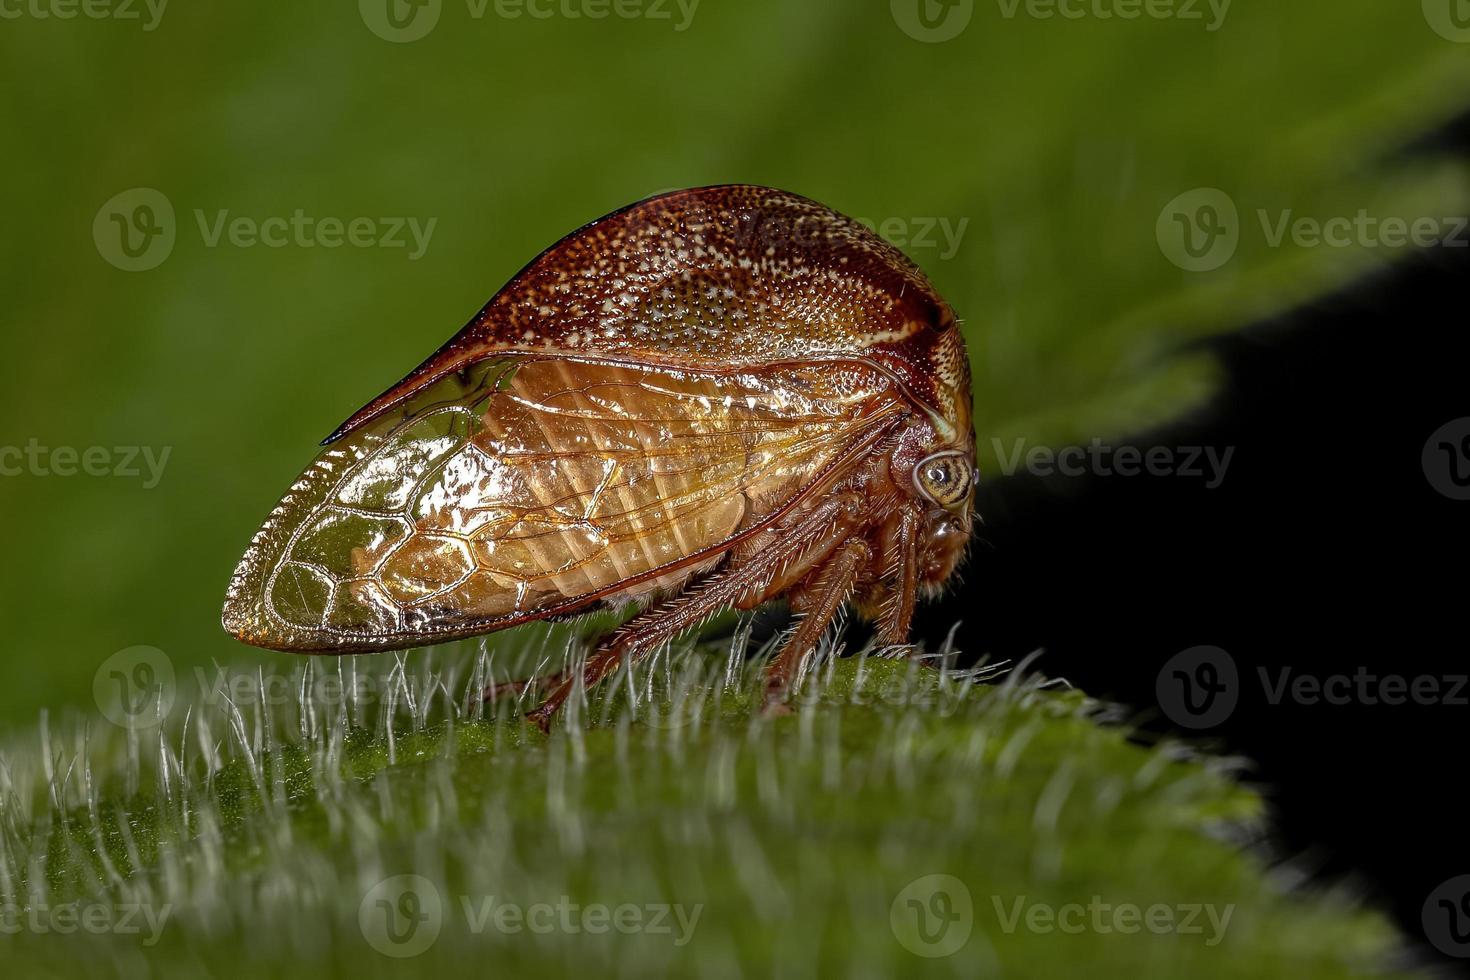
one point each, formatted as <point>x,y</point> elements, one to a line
<point>1027,162</point>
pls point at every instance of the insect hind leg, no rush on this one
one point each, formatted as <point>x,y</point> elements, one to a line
<point>735,584</point>
<point>818,601</point>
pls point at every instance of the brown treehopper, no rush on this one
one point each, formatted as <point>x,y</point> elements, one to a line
<point>709,399</point>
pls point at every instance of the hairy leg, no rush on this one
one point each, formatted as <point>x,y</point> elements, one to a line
<point>818,602</point>
<point>745,581</point>
<point>903,572</point>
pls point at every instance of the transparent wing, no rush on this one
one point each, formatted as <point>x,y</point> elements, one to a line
<point>522,488</point>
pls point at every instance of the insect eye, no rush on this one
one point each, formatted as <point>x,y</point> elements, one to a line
<point>945,479</point>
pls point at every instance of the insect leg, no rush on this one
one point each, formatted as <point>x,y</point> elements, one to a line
<point>819,602</point>
<point>728,587</point>
<point>898,615</point>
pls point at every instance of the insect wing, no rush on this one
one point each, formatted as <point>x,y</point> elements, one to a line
<point>521,488</point>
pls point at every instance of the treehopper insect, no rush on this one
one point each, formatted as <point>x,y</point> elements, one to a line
<point>710,399</point>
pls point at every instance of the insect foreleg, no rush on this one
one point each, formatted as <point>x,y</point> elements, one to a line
<point>903,572</point>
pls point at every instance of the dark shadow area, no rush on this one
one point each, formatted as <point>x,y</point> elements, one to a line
<point>1324,549</point>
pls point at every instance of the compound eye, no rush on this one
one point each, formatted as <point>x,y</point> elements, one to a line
<point>945,478</point>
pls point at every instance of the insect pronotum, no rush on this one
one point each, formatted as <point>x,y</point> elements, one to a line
<point>709,399</point>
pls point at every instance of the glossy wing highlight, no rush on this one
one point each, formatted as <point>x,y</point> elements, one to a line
<point>525,487</point>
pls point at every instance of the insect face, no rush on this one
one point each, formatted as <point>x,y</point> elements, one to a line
<point>942,487</point>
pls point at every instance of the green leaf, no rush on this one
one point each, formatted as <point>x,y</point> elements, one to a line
<point>902,821</point>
